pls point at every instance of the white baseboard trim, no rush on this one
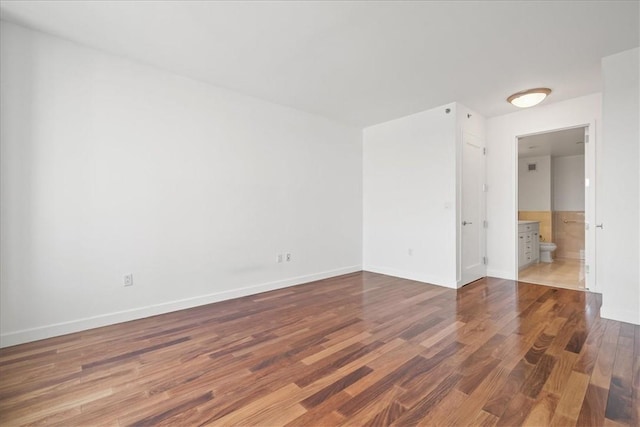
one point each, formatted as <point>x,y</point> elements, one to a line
<point>63,328</point>
<point>410,275</point>
<point>627,316</point>
<point>501,274</point>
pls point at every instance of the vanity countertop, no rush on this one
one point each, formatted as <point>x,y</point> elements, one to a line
<point>528,222</point>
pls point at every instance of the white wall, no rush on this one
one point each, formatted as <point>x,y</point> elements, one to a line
<point>534,188</point>
<point>409,208</point>
<point>568,183</point>
<point>619,198</point>
<point>502,133</point>
<point>412,194</point>
<point>109,167</point>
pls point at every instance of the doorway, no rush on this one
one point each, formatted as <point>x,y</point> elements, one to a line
<point>552,208</point>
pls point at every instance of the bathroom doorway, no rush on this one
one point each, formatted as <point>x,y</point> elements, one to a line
<point>552,199</point>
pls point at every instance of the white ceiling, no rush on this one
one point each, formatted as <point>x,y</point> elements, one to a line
<point>357,62</point>
<point>569,142</point>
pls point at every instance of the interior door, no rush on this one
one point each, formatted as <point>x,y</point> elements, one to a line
<point>472,210</point>
<point>590,210</point>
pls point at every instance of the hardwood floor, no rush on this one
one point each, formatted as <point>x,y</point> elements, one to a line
<point>562,273</point>
<point>361,349</point>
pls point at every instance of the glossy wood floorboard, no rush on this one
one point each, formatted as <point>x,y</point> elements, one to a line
<point>361,349</point>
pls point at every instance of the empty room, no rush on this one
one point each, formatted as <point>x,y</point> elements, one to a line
<point>319,213</point>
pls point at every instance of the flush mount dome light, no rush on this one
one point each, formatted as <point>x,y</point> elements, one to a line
<point>529,98</point>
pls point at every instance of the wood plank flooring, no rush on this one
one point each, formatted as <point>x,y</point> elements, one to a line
<point>360,349</point>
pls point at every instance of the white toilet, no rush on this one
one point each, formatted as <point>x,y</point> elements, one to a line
<point>546,248</point>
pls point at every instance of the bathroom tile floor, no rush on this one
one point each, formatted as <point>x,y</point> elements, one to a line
<point>561,273</point>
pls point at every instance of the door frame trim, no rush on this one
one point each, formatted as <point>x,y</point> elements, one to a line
<point>590,202</point>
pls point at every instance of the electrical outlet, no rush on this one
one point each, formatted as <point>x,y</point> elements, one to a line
<point>288,257</point>
<point>410,251</point>
<point>128,279</point>
<point>279,258</point>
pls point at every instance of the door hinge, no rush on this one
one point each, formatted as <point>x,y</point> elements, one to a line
<point>586,268</point>
<point>484,150</point>
<point>485,224</point>
<point>485,188</point>
<point>586,139</point>
<point>485,260</point>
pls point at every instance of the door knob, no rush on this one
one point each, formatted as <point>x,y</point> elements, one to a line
<point>466,223</point>
<point>600,226</point>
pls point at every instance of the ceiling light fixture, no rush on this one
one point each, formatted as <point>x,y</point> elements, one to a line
<point>529,98</point>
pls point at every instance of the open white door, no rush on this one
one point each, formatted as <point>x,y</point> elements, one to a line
<point>472,211</point>
<point>590,210</point>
